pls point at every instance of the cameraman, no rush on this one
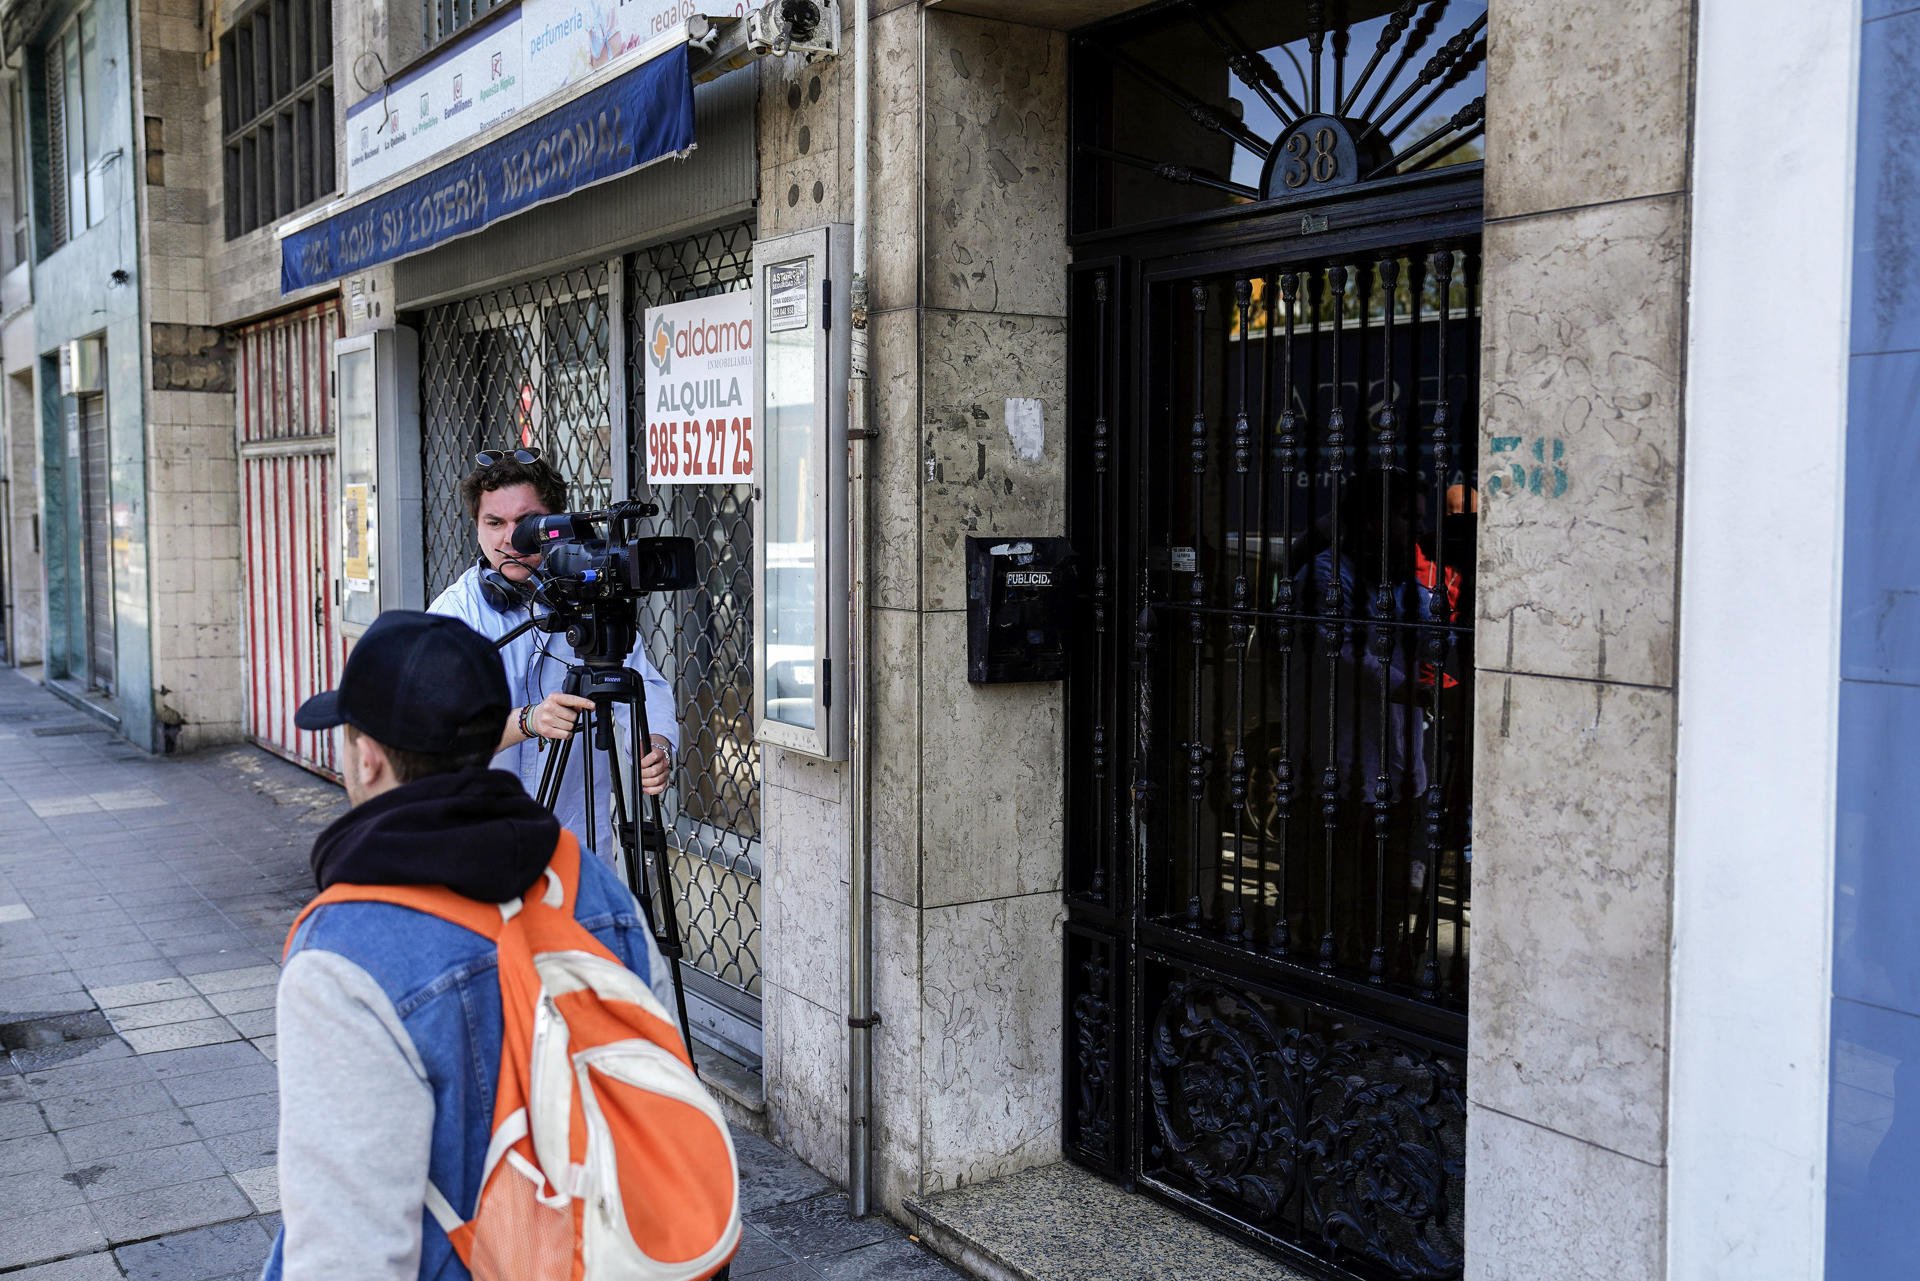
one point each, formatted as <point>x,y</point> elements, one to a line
<point>493,597</point>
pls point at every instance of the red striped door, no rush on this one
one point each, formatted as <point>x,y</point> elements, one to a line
<point>287,499</point>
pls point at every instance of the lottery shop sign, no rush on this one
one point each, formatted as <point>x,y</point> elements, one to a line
<point>700,391</point>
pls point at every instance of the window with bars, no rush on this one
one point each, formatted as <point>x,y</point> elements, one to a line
<point>530,364</point>
<point>442,18</point>
<point>276,106</point>
<point>76,197</point>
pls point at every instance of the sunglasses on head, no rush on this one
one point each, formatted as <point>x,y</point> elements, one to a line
<point>489,457</point>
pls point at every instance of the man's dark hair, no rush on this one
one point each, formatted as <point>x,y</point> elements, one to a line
<point>409,767</point>
<point>507,473</point>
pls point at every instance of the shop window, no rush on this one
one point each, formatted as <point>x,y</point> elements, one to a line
<point>76,195</point>
<point>442,18</point>
<point>276,100</point>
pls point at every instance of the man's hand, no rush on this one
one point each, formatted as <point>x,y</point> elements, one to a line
<point>557,715</point>
<point>653,768</point>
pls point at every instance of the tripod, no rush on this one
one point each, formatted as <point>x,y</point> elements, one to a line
<point>643,843</point>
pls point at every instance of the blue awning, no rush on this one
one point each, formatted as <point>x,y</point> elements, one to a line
<point>632,120</point>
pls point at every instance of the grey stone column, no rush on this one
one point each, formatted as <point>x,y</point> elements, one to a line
<point>1584,346</point>
<point>969,296</point>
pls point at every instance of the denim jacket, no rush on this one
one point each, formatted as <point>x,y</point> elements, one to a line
<point>443,983</point>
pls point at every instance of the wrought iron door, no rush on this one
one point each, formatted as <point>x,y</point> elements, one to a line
<point>1274,474</point>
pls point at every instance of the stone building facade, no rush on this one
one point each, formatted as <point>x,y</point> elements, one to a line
<point>1646,1060</point>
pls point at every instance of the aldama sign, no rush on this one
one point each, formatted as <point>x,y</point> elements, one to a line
<point>699,392</point>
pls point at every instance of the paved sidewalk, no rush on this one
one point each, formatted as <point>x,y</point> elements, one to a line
<point>143,902</point>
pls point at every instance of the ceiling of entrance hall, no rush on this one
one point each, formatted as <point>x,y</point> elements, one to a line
<point>1207,104</point>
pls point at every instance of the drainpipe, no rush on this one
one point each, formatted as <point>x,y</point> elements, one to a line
<point>860,1015</point>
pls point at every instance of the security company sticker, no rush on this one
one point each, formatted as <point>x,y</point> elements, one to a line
<point>787,296</point>
<point>700,391</point>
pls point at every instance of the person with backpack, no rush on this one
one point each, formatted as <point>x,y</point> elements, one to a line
<point>479,1072</point>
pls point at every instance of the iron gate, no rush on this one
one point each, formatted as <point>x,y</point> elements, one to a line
<point>532,363</point>
<point>286,448</point>
<point>1274,474</point>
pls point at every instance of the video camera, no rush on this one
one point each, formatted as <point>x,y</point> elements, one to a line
<point>590,582</point>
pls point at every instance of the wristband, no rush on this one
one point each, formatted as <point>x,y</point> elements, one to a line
<point>524,713</point>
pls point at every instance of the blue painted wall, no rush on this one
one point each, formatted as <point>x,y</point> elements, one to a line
<point>75,295</point>
<point>1873,1189</point>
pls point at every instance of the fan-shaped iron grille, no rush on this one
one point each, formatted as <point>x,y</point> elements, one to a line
<point>1200,105</point>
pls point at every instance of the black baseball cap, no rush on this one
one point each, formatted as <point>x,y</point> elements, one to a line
<point>419,682</point>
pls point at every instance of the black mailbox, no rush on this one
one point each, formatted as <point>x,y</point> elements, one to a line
<point>1019,606</point>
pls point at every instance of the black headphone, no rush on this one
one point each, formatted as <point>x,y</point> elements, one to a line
<point>500,591</point>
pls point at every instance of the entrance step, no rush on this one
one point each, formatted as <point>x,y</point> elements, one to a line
<point>1060,1223</point>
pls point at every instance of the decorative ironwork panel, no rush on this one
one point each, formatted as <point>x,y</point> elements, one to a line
<point>1096,1068</point>
<point>1305,1125</point>
<point>702,641</point>
<point>525,364</point>
<point>1202,105</point>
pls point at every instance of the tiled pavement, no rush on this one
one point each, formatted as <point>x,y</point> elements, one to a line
<point>143,902</point>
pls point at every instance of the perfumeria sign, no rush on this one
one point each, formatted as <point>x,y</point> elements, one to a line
<point>511,63</point>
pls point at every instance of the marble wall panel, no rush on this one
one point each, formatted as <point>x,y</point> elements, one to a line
<point>897,1103</point>
<point>799,108</point>
<point>804,890</point>
<point>974,480</point>
<point>1540,1204</point>
<point>1583,335</point>
<point>895,796</point>
<point>1572,905</point>
<point>801,193</point>
<point>805,1070</point>
<point>996,166</point>
<point>991,1038</point>
<point>992,802</point>
<point>894,159</point>
<point>1587,101</point>
<point>894,457</point>
<point>809,775</point>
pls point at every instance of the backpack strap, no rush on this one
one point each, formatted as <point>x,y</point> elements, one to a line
<point>484,919</point>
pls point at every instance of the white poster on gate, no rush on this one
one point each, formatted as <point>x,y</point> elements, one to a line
<point>699,392</point>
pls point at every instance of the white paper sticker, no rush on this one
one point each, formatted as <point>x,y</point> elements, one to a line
<point>787,296</point>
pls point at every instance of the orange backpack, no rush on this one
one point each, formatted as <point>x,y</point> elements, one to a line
<point>608,1158</point>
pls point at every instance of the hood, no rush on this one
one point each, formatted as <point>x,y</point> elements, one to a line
<point>475,831</point>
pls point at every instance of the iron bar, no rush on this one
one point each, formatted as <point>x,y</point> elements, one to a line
<point>1103,785</point>
<point>1439,65</point>
<point>1468,122</point>
<point>1250,66</point>
<point>1280,940</point>
<point>1423,31</point>
<point>1316,44</point>
<point>1201,113</point>
<point>1386,597</point>
<point>1332,605</point>
<point>1196,594</point>
<point>1238,628</point>
<point>1186,175</point>
<point>1442,268</point>
<point>1455,74</point>
<point>1390,34</point>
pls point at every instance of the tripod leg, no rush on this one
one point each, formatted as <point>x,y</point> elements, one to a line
<point>653,849</point>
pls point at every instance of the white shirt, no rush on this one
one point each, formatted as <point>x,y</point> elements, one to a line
<point>536,665</point>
